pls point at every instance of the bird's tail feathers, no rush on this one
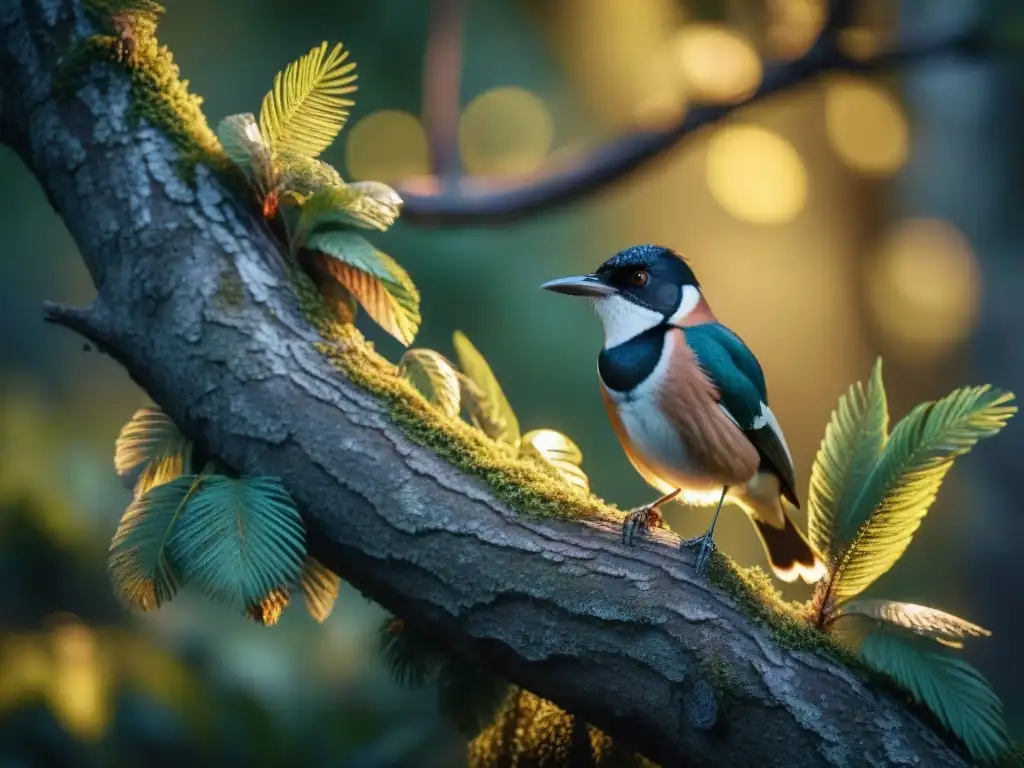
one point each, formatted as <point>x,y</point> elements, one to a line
<point>790,554</point>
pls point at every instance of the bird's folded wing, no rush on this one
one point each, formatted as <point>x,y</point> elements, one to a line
<point>737,376</point>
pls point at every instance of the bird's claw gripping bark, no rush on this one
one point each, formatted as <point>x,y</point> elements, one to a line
<point>639,521</point>
<point>705,546</point>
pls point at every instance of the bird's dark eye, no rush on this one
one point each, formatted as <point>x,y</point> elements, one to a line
<point>639,278</point>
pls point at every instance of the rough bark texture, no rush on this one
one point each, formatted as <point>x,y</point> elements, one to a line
<point>621,637</point>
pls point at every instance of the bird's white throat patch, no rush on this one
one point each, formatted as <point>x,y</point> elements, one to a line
<point>687,303</point>
<point>623,320</point>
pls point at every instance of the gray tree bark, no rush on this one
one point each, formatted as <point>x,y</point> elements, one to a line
<point>618,636</point>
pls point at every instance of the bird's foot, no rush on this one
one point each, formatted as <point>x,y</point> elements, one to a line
<point>705,546</point>
<point>639,521</point>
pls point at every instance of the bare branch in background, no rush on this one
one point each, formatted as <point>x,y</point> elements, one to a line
<point>483,201</point>
<point>442,80</point>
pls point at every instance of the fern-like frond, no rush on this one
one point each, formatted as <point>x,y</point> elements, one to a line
<point>413,658</point>
<point>853,441</point>
<point>928,622</point>
<point>470,696</point>
<point>268,610</point>
<point>141,570</point>
<point>559,451</point>
<point>433,376</point>
<point>902,486</point>
<point>954,691</point>
<point>376,281</point>
<point>240,137</point>
<point>239,539</point>
<point>319,585</point>
<point>150,450</point>
<point>307,106</point>
<point>485,401</point>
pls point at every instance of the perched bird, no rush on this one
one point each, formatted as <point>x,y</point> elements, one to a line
<point>689,404</point>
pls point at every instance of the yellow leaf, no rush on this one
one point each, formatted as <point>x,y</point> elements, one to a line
<point>559,451</point>
<point>433,376</point>
<point>307,107</point>
<point>940,626</point>
<point>488,407</point>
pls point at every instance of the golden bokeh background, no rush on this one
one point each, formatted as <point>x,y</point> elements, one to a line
<point>826,226</point>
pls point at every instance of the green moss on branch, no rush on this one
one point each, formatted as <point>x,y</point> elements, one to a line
<point>128,39</point>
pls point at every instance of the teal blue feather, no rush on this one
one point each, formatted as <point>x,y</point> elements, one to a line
<point>735,372</point>
<point>732,367</point>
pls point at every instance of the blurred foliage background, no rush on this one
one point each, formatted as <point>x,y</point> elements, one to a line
<point>847,218</point>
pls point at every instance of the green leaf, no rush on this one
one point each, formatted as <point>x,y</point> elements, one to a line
<point>433,376</point>
<point>954,691</point>
<point>414,658</point>
<point>301,176</point>
<point>376,205</point>
<point>380,286</point>
<point>369,205</point>
<point>853,441</point>
<point>150,450</point>
<point>559,451</point>
<point>469,695</point>
<point>239,539</point>
<point>902,486</point>
<point>928,622</point>
<point>488,407</point>
<point>141,570</point>
<point>268,610</point>
<point>240,137</point>
<point>320,587</point>
<point>307,107</point>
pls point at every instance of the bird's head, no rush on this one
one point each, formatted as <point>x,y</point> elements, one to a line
<point>637,289</point>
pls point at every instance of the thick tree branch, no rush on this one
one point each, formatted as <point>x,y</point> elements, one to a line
<point>488,201</point>
<point>193,300</point>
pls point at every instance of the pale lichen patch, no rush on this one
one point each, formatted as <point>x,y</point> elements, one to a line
<point>154,147</point>
<point>209,196</point>
<point>783,684</point>
<point>109,110</point>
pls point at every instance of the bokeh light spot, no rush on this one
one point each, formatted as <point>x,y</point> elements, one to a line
<point>865,125</point>
<point>718,64</point>
<point>756,175</point>
<point>505,131</point>
<point>923,288</point>
<point>662,100</point>
<point>793,26</point>
<point>388,145</point>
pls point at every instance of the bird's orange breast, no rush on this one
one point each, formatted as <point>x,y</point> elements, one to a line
<point>674,429</point>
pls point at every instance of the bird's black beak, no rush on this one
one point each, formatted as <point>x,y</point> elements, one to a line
<point>581,285</point>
